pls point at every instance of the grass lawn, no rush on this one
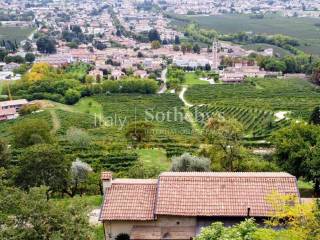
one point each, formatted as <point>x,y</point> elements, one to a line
<point>154,157</point>
<point>193,79</point>
<point>14,33</point>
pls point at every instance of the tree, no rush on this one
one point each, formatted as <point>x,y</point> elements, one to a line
<point>291,64</point>
<point>16,59</point>
<point>30,57</point>
<point>28,109</point>
<point>176,48</point>
<point>36,218</point>
<point>43,164</point>
<point>176,40</point>
<point>225,135</point>
<point>72,96</point>
<point>78,137</point>
<point>27,47</point>
<point>3,54</point>
<point>155,44</point>
<point>30,132</point>
<point>79,172</point>
<point>188,163</point>
<point>298,151</point>
<point>196,48</point>
<point>46,45</point>
<point>297,222</point>
<point>99,45</point>
<point>4,154</point>
<point>154,35</point>
<point>139,131</point>
<point>315,116</point>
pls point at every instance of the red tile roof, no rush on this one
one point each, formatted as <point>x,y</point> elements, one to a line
<point>220,194</point>
<point>195,194</point>
<point>130,200</point>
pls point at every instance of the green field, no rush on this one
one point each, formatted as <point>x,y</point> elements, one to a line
<point>193,79</point>
<point>154,158</point>
<point>14,33</point>
<point>303,29</point>
<point>294,95</point>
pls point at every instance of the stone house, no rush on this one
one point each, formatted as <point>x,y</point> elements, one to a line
<point>178,205</point>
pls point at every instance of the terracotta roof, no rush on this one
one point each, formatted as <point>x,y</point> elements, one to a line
<point>13,102</point>
<point>129,200</point>
<point>220,194</point>
<point>195,194</point>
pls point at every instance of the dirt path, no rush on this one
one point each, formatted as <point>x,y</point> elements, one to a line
<point>94,217</point>
<point>55,122</point>
<point>181,96</point>
<point>188,115</point>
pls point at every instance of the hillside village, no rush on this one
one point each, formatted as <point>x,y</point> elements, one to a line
<point>126,119</point>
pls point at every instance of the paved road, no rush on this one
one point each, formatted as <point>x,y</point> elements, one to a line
<point>163,88</point>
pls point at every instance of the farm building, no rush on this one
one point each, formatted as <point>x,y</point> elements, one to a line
<point>178,205</point>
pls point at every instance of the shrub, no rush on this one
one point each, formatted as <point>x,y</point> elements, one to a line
<point>72,96</point>
<point>27,109</point>
<point>188,163</point>
<point>30,132</point>
<point>78,137</point>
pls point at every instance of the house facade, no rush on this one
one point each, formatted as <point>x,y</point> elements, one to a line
<point>178,205</point>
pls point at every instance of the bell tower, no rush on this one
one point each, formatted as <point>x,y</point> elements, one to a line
<point>215,55</point>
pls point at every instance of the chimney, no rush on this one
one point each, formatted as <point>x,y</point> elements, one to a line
<point>248,212</point>
<point>106,178</point>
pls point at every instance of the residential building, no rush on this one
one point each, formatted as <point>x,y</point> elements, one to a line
<point>8,114</point>
<point>13,104</point>
<point>178,205</point>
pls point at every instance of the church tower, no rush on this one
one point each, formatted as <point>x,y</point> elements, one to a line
<point>215,57</point>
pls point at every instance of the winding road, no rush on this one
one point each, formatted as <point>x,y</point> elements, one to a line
<point>163,78</point>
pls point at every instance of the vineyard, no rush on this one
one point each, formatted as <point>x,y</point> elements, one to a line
<point>122,109</point>
<point>257,123</point>
<point>297,96</point>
